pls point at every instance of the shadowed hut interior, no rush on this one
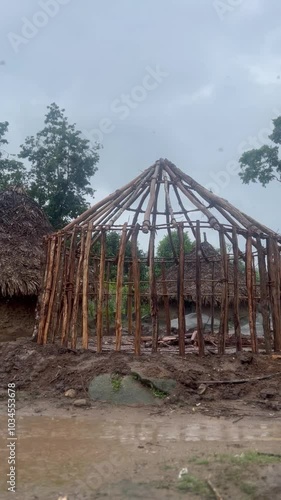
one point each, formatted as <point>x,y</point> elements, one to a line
<point>22,227</point>
<point>241,264</point>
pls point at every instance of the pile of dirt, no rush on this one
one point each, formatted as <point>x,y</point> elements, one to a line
<point>47,372</point>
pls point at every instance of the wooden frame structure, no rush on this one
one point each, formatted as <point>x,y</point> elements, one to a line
<point>76,272</point>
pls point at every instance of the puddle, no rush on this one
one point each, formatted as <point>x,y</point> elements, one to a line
<point>80,455</point>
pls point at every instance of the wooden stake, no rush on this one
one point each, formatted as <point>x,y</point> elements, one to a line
<point>48,288</point>
<point>101,294</point>
<point>42,312</point>
<point>136,277</point>
<point>236,315</point>
<point>224,296</point>
<point>57,263</point>
<point>119,288</point>
<point>181,308</point>
<point>166,298</point>
<point>264,296</point>
<point>130,302</point>
<point>213,299</point>
<point>201,343</point>
<point>76,300</point>
<point>274,281</point>
<point>85,293</point>
<point>249,284</point>
<point>69,277</point>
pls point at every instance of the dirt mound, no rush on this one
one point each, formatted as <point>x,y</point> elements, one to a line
<point>51,370</point>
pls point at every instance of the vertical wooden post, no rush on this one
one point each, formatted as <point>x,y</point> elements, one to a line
<point>44,298</point>
<point>130,302</point>
<point>107,291</point>
<point>213,299</point>
<point>224,296</point>
<point>181,308</point>
<point>70,270</point>
<point>153,292</point>
<point>236,315</point>
<point>136,277</point>
<point>48,288</point>
<point>58,298</point>
<point>198,292</point>
<point>76,301</point>
<point>119,288</point>
<point>57,262</point>
<point>166,298</point>
<point>85,287</point>
<point>249,284</point>
<point>274,281</point>
<point>264,296</point>
<point>101,294</point>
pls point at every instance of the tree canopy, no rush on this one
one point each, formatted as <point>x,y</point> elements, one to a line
<point>263,164</point>
<point>12,172</point>
<point>164,249</point>
<point>58,169</point>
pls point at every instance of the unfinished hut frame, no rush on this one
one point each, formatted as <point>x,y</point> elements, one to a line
<point>162,198</point>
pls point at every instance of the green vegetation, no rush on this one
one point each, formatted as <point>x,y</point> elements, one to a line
<point>60,167</point>
<point>194,485</point>
<point>263,164</point>
<point>164,249</point>
<point>116,381</point>
<point>158,394</point>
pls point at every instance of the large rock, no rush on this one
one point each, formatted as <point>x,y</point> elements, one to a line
<point>124,390</point>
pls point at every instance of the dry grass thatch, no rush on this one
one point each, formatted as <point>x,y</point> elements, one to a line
<point>210,263</point>
<point>22,227</point>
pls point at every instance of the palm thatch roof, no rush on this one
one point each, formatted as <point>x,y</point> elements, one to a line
<point>212,277</point>
<point>22,227</point>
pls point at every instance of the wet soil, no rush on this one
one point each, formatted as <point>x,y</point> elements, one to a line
<point>46,373</point>
<point>227,437</point>
<point>134,453</point>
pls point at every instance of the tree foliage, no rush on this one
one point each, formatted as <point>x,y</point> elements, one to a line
<point>263,165</point>
<point>164,249</point>
<point>12,172</point>
<point>61,166</point>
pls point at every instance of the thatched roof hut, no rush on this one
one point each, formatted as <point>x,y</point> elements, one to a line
<point>22,227</point>
<point>212,278</point>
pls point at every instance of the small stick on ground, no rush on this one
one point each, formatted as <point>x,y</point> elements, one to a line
<point>238,381</point>
<point>214,490</point>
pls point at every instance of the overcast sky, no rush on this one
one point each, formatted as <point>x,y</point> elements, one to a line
<point>196,81</point>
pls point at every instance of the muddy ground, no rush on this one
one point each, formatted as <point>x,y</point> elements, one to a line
<point>46,373</point>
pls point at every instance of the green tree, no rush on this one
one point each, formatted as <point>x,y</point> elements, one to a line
<point>263,164</point>
<point>12,172</point>
<point>164,249</point>
<point>62,164</point>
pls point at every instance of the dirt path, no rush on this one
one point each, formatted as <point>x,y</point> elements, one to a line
<point>129,453</point>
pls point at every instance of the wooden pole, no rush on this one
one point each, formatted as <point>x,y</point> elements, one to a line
<point>119,288</point>
<point>101,294</point>
<point>166,298</point>
<point>107,291</point>
<point>274,281</point>
<point>42,313</point>
<point>136,278</point>
<point>48,288</point>
<point>181,308</point>
<point>67,310</point>
<point>264,296</point>
<point>224,296</point>
<point>198,292</point>
<point>213,299</point>
<point>76,300</point>
<point>249,284</point>
<point>236,315</point>
<point>85,287</point>
<point>130,302</point>
<point>57,262</point>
